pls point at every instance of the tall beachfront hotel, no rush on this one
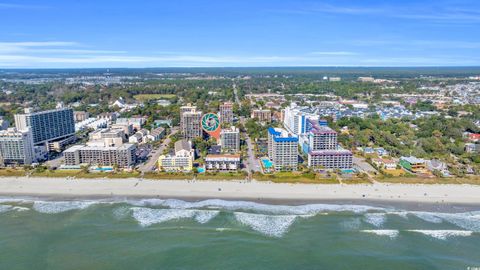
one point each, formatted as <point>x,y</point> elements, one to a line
<point>282,149</point>
<point>49,126</point>
<point>323,150</point>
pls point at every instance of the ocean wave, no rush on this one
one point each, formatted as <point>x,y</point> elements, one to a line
<point>148,216</point>
<point>443,234</point>
<point>55,207</point>
<point>274,226</point>
<point>428,217</point>
<point>309,209</point>
<point>5,208</point>
<point>375,219</point>
<point>390,233</point>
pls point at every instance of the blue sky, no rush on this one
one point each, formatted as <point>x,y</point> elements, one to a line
<point>171,33</point>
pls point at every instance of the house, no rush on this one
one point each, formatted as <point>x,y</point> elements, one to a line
<point>413,164</point>
<point>381,151</point>
<point>156,134</point>
<point>136,138</point>
<point>437,165</point>
<point>158,123</point>
<point>386,164</point>
<point>472,148</point>
<point>474,137</point>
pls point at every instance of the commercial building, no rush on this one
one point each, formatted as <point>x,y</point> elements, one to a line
<point>104,149</point>
<point>47,126</point>
<point>109,136</point>
<point>330,159</point>
<point>181,160</point>
<point>295,118</point>
<point>230,139</point>
<point>4,124</point>
<point>80,116</point>
<point>222,162</point>
<point>136,122</point>
<point>282,149</point>
<point>226,112</point>
<point>16,147</point>
<point>262,115</point>
<point>191,124</point>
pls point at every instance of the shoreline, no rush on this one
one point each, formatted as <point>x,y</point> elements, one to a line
<point>446,197</point>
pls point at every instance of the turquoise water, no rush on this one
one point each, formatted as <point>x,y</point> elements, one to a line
<point>267,163</point>
<point>217,234</point>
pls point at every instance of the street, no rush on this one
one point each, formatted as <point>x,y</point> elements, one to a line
<point>156,153</point>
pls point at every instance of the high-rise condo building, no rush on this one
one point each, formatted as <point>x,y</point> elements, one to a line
<point>191,123</point>
<point>282,149</point>
<point>16,147</point>
<point>230,139</point>
<point>226,112</point>
<point>47,126</point>
<point>323,149</point>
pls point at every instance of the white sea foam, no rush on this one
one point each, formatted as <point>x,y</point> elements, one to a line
<point>308,209</point>
<point>5,208</point>
<point>376,219</point>
<point>54,207</point>
<point>203,216</point>
<point>148,216</point>
<point>428,216</point>
<point>274,226</point>
<point>443,234</point>
<point>20,208</point>
<point>390,233</point>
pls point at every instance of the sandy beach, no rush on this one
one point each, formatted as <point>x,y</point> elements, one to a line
<point>23,186</point>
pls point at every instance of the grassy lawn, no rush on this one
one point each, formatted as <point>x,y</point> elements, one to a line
<point>81,174</point>
<point>147,97</point>
<point>221,176</point>
<point>356,180</point>
<point>168,176</point>
<point>474,180</point>
<point>295,177</point>
<point>12,172</point>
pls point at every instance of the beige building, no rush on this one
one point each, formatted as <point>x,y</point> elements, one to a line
<point>181,160</point>
<point>262,115</point>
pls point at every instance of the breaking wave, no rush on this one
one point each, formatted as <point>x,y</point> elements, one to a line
<point>390,233</point>
<point>443,234</point>
<point>148,216</point>
<point>376,219</point>
<point>55,207</point>
<point>309,209</point>
<point>275,226</point>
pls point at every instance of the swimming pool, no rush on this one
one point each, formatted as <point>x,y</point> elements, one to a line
<point>267,163</point>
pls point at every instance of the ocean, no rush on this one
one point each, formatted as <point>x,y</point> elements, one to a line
<point>218,234</point>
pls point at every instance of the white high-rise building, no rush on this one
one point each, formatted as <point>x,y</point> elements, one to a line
<point>282,149</point>
<point>230,139</point>
<point>16,147</point>
<point>295,118</point>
